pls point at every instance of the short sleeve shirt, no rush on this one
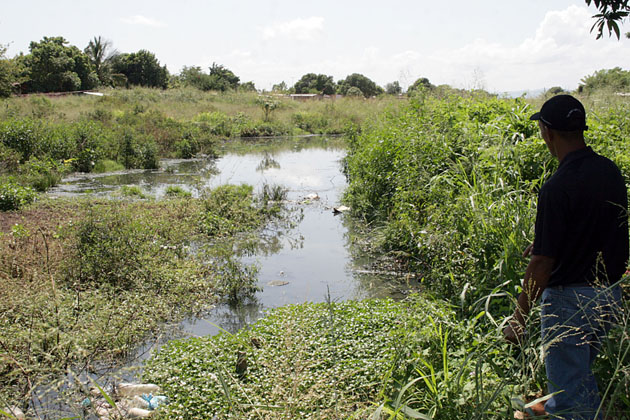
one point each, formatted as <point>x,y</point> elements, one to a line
<point>582,221</point>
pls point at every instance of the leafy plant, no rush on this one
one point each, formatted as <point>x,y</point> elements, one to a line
<point>14,196</point>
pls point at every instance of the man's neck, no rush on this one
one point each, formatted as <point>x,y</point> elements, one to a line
<point>564,148</point>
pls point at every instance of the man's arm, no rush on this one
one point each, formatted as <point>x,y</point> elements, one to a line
<point>536,277</point>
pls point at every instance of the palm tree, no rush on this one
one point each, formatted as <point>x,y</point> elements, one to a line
<point>100,54</point>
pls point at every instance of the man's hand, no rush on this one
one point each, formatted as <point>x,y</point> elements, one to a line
<point>528,251</point>
<point>514,332</point>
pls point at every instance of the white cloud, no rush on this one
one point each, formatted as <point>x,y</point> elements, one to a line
<point>561,51</point>
<point>143,20</point>
<point>299,29</point>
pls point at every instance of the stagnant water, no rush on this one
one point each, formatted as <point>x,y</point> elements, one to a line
<point>309,263</point>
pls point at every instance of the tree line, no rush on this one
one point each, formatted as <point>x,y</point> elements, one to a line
<point>53,65</point>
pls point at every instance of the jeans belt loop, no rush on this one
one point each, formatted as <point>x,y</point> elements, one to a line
<point>560,288</point>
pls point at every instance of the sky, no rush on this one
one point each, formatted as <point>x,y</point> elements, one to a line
<point>498,45</point>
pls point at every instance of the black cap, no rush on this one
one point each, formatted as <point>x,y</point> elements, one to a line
<point>562,113</point>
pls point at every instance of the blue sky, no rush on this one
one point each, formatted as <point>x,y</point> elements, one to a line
<point>498,45</point>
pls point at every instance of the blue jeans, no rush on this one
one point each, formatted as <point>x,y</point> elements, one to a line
<point>575,320</point>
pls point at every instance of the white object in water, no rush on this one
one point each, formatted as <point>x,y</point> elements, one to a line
<point>312,196</point>
<point>139,413</point>
<point>340,209</point>
<point>139,402</point>
<point>15,412</point>
<point>129,390</point>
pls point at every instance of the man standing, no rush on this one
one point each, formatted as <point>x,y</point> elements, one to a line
<point>580,251</point>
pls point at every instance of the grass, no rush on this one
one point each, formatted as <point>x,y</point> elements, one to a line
<point>105,275</point>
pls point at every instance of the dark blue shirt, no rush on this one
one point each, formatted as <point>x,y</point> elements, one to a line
<point>582,220</point>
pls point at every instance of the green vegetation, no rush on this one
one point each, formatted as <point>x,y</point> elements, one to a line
<point>450,186</point>
<point>310,361</point>
<point>104,275</point>
<point>140,69</point>
<point>315,83</point>
<point>42,139</point>
<point>610,80</point>
<point>13,196</point>
<point>364,85</point>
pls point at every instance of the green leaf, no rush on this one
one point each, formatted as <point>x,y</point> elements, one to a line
<point>105,395</point>
<point>4,413</point>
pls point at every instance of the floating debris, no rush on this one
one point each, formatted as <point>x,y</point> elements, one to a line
<point>274,283</point>
<point>340,209</point>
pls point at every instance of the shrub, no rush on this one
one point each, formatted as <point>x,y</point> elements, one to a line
<point>20,135</point>
<point>229,209</point>
<point>42,174</point>
<point>14,196</point>
<point>215,123</point>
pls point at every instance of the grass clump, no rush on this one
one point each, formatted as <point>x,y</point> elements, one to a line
<point>107,165</point>
<point>175,191</point>
<point>132,191</point>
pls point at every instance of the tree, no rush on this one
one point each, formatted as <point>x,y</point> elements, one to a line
<point>614,79</point>
<point>280,87</point>
<point>141,68</point>
<point>420,85</point>
<point>223,76</point>
<point>354,92</point>
<point>100,53</point>
<point>247,87</point>
<point>365,85</point>
<point>611,12</point>
<point>57,67</point>
<point>393,88</point>
<point>6,80</point>
<point>315,83</point>
<point>219,78</point>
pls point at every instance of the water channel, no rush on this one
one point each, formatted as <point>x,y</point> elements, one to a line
<point>311,262</point>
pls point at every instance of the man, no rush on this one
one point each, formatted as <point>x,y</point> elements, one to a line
<point>580,251</point>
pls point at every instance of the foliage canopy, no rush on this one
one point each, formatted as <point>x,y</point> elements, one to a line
<point>58,67</point>
<point>315,83</point>
<point>363,83</point>
<point>141,68</point>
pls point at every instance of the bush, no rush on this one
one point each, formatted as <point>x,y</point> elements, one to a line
<point>229,209</point>
<point>14,196</point>
<point>42,174</point>
<point>20,135</point>
<point>440,176</point>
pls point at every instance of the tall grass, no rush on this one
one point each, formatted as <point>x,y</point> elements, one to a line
<point>451,184</point>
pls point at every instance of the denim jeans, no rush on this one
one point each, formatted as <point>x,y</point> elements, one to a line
<point>575,320</point>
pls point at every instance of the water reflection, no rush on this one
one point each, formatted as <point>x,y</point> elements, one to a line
<point>303,259</point>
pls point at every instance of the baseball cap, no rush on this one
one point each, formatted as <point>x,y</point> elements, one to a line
<point>562,113</point>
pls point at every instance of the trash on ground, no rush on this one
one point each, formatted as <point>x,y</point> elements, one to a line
<point>133,401</point>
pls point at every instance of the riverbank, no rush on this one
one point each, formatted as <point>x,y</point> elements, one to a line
<point>84,281</point>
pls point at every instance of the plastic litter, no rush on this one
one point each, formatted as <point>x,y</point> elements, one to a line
<point>129,390</point>
<point>153,402</point>
<point>141,413</point>
<point>15,412</point>
<point>133,401</point>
